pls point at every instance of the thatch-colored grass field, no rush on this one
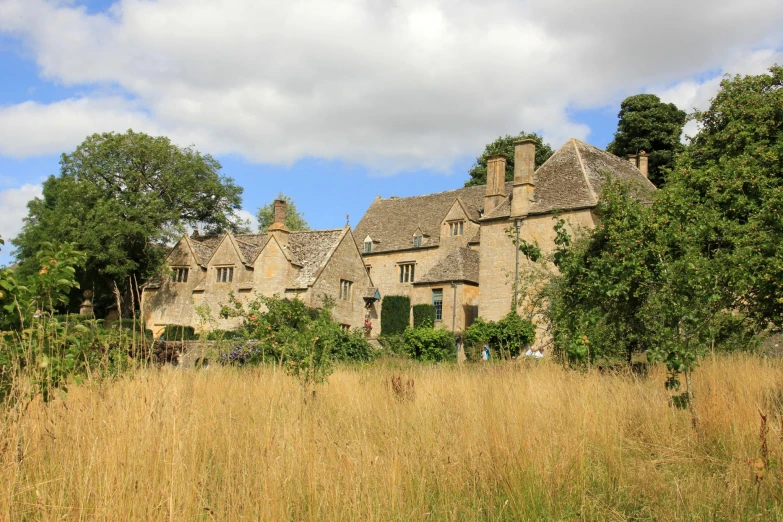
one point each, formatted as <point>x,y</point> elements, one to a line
<point>477,442</point>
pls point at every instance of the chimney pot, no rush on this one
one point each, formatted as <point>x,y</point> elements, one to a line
<point>496,182</point>
<point>643,163</point>
<point>280,212</point>
<point>524,183</point>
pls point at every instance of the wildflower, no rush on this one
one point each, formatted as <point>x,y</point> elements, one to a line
<point>44,269</point>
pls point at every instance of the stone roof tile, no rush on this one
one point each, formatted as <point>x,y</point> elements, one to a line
<point>462,264</point>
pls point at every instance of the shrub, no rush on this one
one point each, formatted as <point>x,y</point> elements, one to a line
<point>430,344</point>
<point>506,337</point>
<point>395,314</point>
<point>353,346</point>
<point>394,344</point>
<point>423,315</point>
<point>226,335</point>
<point>178,332</point>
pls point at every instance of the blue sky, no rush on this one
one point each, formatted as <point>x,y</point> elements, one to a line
<point>336,103</point>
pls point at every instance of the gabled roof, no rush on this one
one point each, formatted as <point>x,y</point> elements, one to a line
<point>308,250</point>
<point>573,176</point>
<point>312,249</point>
<point>392,222</point>
<point>462,264</point>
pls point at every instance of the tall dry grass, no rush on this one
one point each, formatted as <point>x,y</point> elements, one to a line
<point>484,442</point>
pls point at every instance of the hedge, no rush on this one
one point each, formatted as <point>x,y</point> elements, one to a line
<point>395,314</point>
<point>423,316</point>
<point>178,332</point>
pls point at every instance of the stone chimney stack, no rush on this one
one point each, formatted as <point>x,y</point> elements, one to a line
<point>632,159</point>
<point>524,184</point>
<point>643,162</point>
<point>278,228</point>
<point>496,182</point>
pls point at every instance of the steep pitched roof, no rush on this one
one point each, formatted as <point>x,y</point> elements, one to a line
<point>572,178</point>
<point>309,250</point>
<point>462,264</point>
<point>392,222</point>
<point>312,249</point>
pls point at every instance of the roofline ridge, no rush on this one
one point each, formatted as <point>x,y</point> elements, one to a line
<point>584,171</point>
<point>430,193</point>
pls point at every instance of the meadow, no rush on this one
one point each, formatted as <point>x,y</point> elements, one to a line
<point>397,440</point>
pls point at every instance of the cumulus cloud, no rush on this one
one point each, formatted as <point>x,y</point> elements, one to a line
<point>14,201</point>
<point>388,84</point>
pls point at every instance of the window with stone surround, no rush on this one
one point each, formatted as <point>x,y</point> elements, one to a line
<point>407,272</point>
<point>417,241</point>
<point>456,228</point>
<point>437,302</point>
<point>345,289</point>
<point>367,247</point>
<point>181,274</point>
<point>225,274</point>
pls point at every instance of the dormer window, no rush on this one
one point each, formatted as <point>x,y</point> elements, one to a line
<point>367,247</point>
<point>417,241</point>
<point>456,228</point>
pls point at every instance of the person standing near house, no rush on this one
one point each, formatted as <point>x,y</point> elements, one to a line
<point>485,353</point>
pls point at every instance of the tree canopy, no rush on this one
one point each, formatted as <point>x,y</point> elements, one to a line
<point>647,124</point>
<point>505,145</point>
<point>293,219</point>
<point>702,267</point>
<point>121,198</point>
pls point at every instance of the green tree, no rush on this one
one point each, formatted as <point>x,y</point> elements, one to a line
<point>120,198</point>
<point>505,145</point>
<point>647,124</point>
<point>293,219</point>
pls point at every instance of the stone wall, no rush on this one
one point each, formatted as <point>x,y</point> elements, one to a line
<point>466,298</point>
<point>345,264</point>
<point>496,270</point>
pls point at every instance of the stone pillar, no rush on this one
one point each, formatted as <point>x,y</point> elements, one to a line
<point>496,182</point>
<point>86,309</point>
<point>524,183</point>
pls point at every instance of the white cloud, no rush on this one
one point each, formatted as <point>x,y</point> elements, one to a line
<point>388,84</point>
<point>251,219</point>
<point>13,205</point>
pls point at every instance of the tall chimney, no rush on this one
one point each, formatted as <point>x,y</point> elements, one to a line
<point>643,162</point>
<point>496,182</point>
<point>524,184</point>
<point>278,228</point>
<point>632,159</point>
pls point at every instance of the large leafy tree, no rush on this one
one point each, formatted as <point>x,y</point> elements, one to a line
<point>505,145</point>
<point>702,267</point>
<point>121,198</point>
<point>293,219</point>
<point>647,124</point>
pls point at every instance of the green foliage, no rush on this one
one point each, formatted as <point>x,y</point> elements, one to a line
<point>303,340</point>
<point>505,145</point>
<point>430,344</point>
<point>395,317</point>
<point>353,347</point>
<point>394,345</point>
<point>647,124</point>
<point>702,268</point>
<point>423,316</point>
<point>505,338</point>
<point>293,219</point>
<point>119,198</point>
<point>178,332</point>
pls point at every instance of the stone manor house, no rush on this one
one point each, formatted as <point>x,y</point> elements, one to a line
<point>450,249</point>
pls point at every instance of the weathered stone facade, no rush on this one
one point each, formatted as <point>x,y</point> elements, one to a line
<point>478,258</point>
<point>308,265</point>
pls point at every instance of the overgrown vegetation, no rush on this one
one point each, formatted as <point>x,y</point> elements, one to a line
<point>423,315</point>
<point>506,338</point>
